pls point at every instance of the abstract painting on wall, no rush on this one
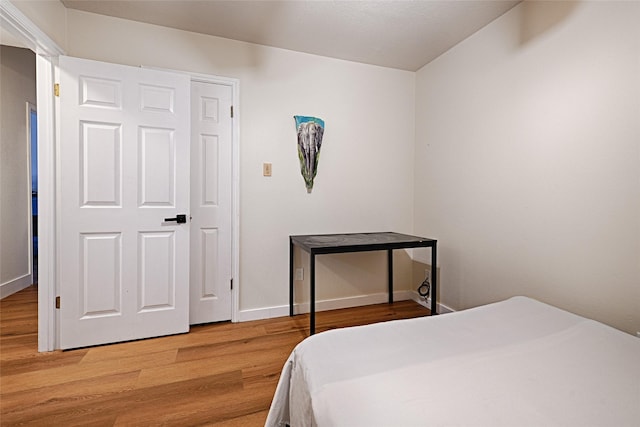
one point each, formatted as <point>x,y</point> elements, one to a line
<point>310,131</point>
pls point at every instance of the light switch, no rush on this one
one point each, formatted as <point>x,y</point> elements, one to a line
<point>266,169</point>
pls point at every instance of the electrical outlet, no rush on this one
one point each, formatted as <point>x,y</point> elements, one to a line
<point>299,273</point>
<point>266,169</point>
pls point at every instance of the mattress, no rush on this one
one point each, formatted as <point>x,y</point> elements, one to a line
<point>517,362</point>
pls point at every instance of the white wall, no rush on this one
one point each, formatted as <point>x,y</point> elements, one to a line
<point>17,87</point>
<point>50,16</point>
<point>365,176</point>
<point>528,160</point>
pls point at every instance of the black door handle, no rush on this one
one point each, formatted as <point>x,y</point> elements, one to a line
<point>180,219</point>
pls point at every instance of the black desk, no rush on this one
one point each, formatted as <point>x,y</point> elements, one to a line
<point>320,244</point>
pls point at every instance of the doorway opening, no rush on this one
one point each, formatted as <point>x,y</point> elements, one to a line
<point>33,137</point>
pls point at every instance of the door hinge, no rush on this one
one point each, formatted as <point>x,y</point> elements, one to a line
<point>232,111</point>
<point>231,284</point>
<point>56,89</point>
<point>57,302</point>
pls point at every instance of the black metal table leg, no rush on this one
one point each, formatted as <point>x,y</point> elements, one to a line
<point>291,272</point>
<point>390,280</point>
<point>434,278</point>
<point>312,279</point>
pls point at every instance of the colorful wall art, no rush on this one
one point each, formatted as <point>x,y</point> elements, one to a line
<point>310,131</point>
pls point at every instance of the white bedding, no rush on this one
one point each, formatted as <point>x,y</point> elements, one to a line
<point>514,363</point>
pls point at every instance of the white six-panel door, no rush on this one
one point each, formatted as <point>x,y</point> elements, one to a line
<point>211,202</point>
<point>124,167</point>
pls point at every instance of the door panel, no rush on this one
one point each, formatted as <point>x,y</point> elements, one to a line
<point>100,92</point>
<point>209,167</point>
<point>124,168</point>
<point>157,258</point>
<point>101,172</point>
<point>157,167</point>
<point>157,98</point>
<point>211,203</point>
<point>210,244</point>
<point>100,283</point>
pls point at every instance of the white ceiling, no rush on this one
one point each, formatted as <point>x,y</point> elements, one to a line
<point>397,34</point>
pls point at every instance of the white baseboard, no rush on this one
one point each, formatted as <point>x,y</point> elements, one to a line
<point>332,304</point>
<point>335,304</point>
<point>15,285</point>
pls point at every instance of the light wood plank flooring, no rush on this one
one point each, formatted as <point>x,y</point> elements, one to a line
<point>220,374</point>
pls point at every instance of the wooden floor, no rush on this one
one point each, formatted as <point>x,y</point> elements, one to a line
<point>219,374</point>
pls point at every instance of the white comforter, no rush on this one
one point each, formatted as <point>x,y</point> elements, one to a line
<point>514,363</point>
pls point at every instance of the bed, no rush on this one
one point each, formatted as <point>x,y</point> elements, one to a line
<point>517,362</point>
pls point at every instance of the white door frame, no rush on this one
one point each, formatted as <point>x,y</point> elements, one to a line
<point>13,20</point>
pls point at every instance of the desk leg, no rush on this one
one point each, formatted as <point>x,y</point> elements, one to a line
<point>312,307</point>
<point>434,278</point>
<point>291,272</point>
<point>390,281</point>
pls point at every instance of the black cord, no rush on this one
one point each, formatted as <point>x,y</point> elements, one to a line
<point>424,289</point>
